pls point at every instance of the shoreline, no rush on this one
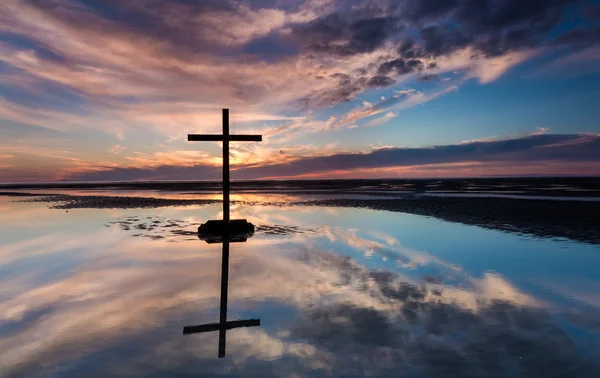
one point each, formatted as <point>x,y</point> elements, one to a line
<point>575,220</point>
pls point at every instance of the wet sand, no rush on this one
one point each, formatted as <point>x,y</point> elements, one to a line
<point>64,201</point>
<point>575,220</point>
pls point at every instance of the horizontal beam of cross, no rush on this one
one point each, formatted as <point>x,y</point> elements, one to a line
<point>219,138</point>
<point>188,330</point>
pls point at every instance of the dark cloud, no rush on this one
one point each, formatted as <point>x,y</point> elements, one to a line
<point>497,45</point>
<point>409,50</point>
<point>591,11</point>
<point>357,330</point>
<point>347,34</point>
<point>348,87</point>
<point>424,30</point>
<point>271,47</point>
<point>429,77</point>
<point>431,9</point>
<point>555,148</point>
<point>442,40</point>
<point>400,66</point>
<point>380,81</point>
<point>491,27</point>
<point>368,34</point>
<point>437,338</point>
<point>344,79</point>
<point>493,15</point>
<point>579,37</point>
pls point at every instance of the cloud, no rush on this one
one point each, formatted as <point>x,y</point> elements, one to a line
<point>535,148</point>
<point>576,63</point>
<point>380,81</point>
<point>579,37</point>
<point>380,120</point>
<point>177,50</point>
<point>505,156</point>
<point>144,67</point>
<point>400,66</point>
<point>491,69</point>
<point>116,149</point>
<point>429,77</point>
<point>348,34</point>
<point>499,31</point>
<point>152,60</point>
<point>173,138</point>
<point>402,100</point>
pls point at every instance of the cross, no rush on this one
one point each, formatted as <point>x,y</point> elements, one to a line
<point>225,138</point>
<point>223,325</point>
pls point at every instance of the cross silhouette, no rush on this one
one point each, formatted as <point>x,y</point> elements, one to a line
<point>225,138</point>
<point>223,325</point>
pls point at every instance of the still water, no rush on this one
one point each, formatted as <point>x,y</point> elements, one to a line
<point>338,291</point>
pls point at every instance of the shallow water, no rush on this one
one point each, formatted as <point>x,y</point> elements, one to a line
<point>338,291</point>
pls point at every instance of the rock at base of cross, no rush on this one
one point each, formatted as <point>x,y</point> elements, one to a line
<point>213,230</point>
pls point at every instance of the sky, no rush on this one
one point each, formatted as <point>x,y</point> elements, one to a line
<point>105,90</point>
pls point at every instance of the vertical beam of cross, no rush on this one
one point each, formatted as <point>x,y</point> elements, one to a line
<point>226,183</point>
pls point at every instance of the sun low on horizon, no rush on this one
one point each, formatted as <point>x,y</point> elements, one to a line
<point>109,90</point>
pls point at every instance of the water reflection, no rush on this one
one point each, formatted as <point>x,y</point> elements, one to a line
<point>223,325</point>
<point>365,293</point>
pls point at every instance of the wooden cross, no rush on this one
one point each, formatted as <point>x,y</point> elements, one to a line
<point>223,325</point>
<point>225,138</point>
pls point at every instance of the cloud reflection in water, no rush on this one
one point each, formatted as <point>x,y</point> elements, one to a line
<point>120,309</point>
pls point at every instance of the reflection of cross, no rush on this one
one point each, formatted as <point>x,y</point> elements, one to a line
<point>223,325</point>
<point>225,138</point>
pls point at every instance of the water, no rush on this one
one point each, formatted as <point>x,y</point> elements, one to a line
<point>338,291</point>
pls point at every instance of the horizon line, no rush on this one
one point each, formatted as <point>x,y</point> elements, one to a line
<point>298,179</point>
